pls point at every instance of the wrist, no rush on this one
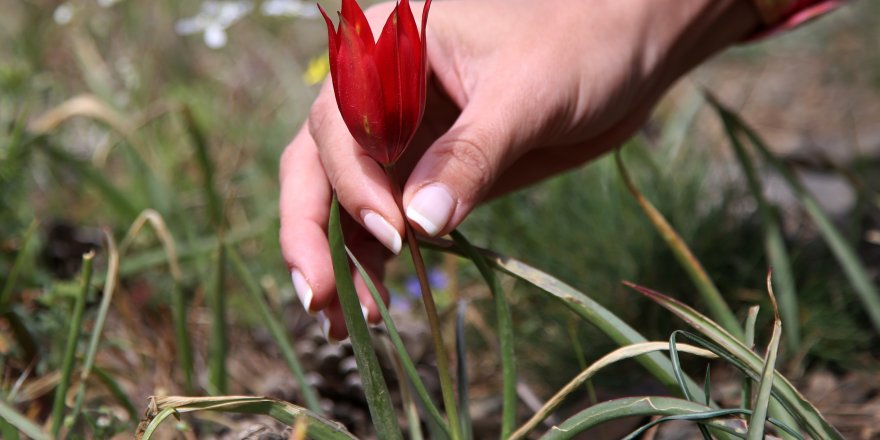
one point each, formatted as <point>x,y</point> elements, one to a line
<point>681,34</point>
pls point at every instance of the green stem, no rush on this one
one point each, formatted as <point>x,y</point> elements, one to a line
<point>70,350</point>
<point>688,261</point>
<point>431,310</point>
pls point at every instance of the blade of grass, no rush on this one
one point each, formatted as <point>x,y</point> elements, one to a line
<point>461,370</point>
<point>98,327</point>
<point>12,276</point>
<point>110,193</point>
<point>275,329</point>
<point>118,393</point>
<point>759,415</point>
<point>843,252</point>
<point>689,262</point>
<point>804,412</point>
<point>20,422</point>
<point>632,407</point>
<point>74,331</point>
<point>7,431</point>
<point>197,247</point>
<point>603,319</point>
<point>217,344</point>
<point>21,333</point>
<point>410,409</point>
<point>405,359</point>
<point>774,243</point>
<point>622,353</point>
<point>679,373</point>
<point>203,156</point>
<point>178,300</point>
<point>784,421</point>
<point>581,358</point>
<point>319,427</point>
<point>376,391</point>
<point>709,415</point>
<point>750,343</point>
<point>505,334</point>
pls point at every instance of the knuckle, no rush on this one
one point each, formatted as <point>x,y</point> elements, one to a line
<point>469,158</point>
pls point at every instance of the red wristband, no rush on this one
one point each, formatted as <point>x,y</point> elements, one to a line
<point>781,15</point>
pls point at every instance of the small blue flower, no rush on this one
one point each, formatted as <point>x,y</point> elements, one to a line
<point>437,279</point>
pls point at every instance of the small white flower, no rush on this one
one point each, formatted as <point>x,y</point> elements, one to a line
<point>107,3</point>
<point>289,8</point>
<point>214,18</point>
<point>63,13</point>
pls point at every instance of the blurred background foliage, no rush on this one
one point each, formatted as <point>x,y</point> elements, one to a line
<point>104,106</point>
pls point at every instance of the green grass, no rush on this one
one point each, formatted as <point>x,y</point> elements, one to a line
<point>157,123</point>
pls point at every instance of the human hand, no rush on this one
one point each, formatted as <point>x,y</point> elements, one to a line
<point>519,90</point>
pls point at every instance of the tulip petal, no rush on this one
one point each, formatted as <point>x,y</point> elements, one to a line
<point>413,71</point>
<point>359,92</point>
<point>399,59</point>
<point>353,13</point>
<point>424,59</point>
<point>332,49</point>
<point>387,58</point>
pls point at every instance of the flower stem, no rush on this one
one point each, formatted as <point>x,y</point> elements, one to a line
<point>430,309</point>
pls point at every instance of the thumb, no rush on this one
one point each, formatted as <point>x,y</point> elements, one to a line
<point>457,171</point>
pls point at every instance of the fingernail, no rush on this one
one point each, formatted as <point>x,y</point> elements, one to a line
<point>431,208</point>
<point>366,313</point>
<point>383,231</point>
<point>325,325</point>
<point>302,288</point>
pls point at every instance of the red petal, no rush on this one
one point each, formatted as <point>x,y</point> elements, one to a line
<point>359,93</point>
<point>332,48</point>
<point>387,60</point>
<point>424,57</point>
<point>352,12</point>
<point>398,56</point>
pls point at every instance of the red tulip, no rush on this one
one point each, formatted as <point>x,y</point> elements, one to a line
<point>379,86</point>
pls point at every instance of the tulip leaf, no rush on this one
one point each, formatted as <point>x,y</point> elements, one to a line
<point>858,275</point>
<point>641,407</point>
<point>409,366</point>
<point>318,427</point>
<point>736,352</point>
<point>622,353</point>
<point>505,334</point>
<point>591,311</point>
<point>378,399</point>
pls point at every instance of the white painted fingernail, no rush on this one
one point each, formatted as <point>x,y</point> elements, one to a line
<point>302,288</point>
<point>431,208</point>
<point>366,313</point>
<point>383,231</point>
<point>325,324</point>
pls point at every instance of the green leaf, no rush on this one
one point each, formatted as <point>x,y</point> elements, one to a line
<point>275,329</point>
<point>218,342</point>
<point>640,407</point>
<point>803,411</point>
<point>845,254</point>
<point>98,327</point>
<point>688,261</point>
<point>319,427</point>
<point>409,366</point>
<point>376,391</point>
<point>20,422</point>
<point>505,334</point>
<point>603,319</point>
<point>461,369</point>
<point>627,352</point>
<point>759,415</point>
<point>73,333</point>
<point>774,242</point>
